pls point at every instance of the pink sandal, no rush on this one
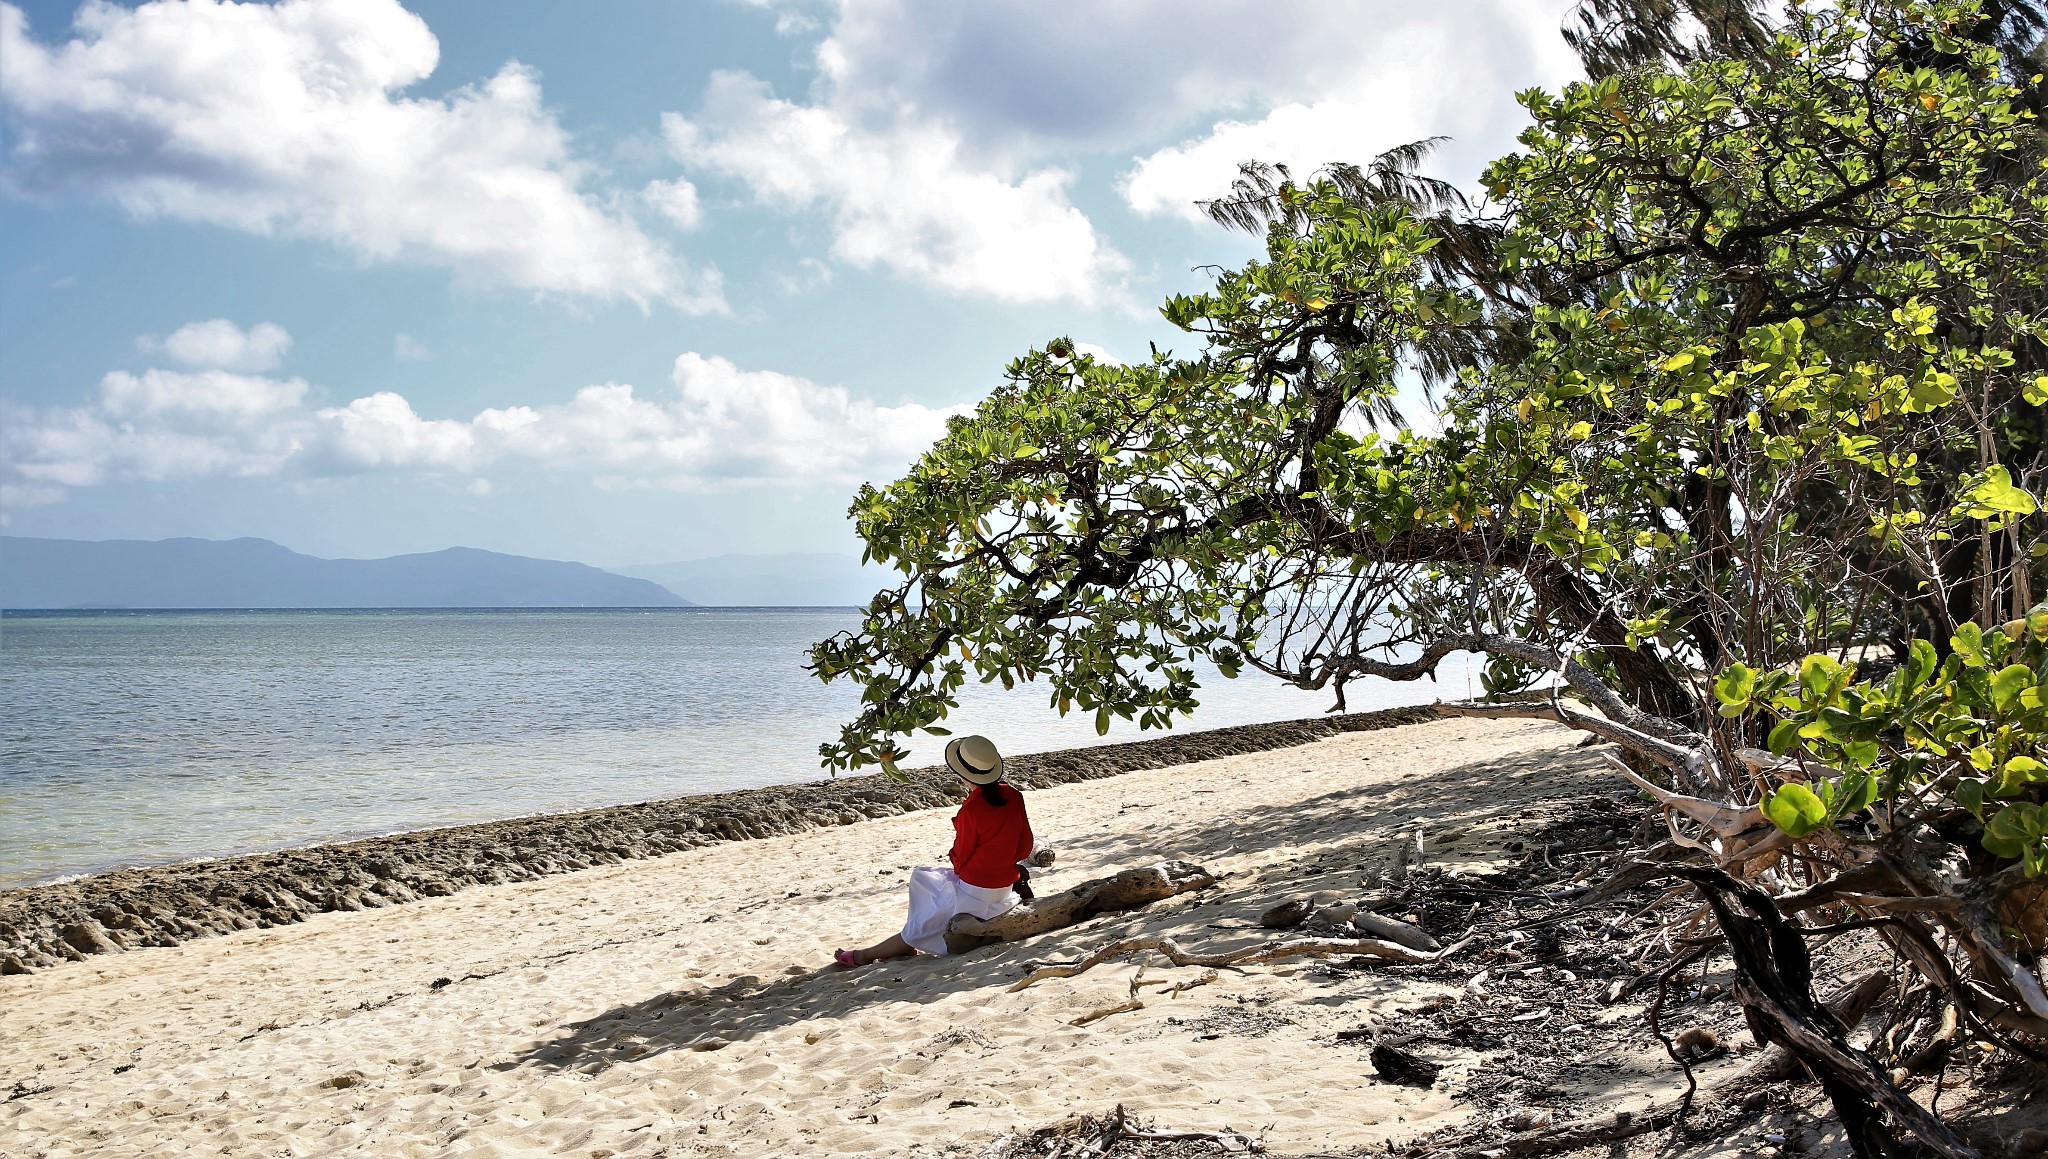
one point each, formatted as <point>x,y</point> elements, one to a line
<point>846,959</point>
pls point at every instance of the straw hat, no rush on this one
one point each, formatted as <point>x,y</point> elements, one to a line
<point>975,758</point>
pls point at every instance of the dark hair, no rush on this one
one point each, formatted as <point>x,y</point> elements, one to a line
<point>994,792</point>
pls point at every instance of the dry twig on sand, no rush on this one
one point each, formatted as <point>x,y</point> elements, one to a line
<point>1105,1012</point>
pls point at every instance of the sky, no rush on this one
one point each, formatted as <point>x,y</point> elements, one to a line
<point>635,281</point>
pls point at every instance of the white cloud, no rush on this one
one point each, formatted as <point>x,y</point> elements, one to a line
<point>1188,89</point>
<point>902,195</point>
<point>161,424</point>
<point>207,395</point>
<point>721,427</point>
<point>221,345</point>
<point>809,275</point>
<point>381,430</point>
<point>1422,77</point>
<point>287,119</point>
<point>780,426</point>
<point>1301,136</point>
<point>725,426</point>
<point>16,495</point>
<point>676,201</point>
<point>406,348</point>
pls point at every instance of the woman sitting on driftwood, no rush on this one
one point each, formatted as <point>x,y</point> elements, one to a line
<point>991,834</point>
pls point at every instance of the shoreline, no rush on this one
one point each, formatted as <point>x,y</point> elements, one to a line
<point>166,905</point>
<point>688,1005</point>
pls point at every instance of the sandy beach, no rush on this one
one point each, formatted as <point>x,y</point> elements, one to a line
<point>685,1004</point>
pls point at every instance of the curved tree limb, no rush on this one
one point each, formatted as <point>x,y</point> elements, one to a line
<point>1724,820</point>
<point>1635,722</point>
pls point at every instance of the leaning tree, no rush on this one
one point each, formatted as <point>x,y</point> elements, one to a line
<point>1739,383</point>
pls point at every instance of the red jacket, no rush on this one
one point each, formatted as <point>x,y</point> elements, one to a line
<point>988,842</point>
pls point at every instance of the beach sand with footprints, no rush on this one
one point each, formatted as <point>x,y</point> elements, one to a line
<point>686,1004</point>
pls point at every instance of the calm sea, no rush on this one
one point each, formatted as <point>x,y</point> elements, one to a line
<point>133,738</point>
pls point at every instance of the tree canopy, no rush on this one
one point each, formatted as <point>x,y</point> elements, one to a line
<point>1738,363</point>
<point>1739,374</point>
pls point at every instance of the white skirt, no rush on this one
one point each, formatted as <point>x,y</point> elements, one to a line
<point>937,894</point>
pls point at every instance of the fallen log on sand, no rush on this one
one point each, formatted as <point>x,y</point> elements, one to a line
<point>1124,891</point>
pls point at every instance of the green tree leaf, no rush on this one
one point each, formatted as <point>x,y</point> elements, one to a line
<point>2008,683</point>
<point>1785,736</point>
<point>2024,769</point>
<point>1734,687</point>
<point>2012,829</point>
<point>1996,494</point>
<point>1795,809</point>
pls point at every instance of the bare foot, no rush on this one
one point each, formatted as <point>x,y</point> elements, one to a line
<point>892,946</point>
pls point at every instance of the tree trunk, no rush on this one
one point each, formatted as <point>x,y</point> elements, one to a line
<point>1774,983</point>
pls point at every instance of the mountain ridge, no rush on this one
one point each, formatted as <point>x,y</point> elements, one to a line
<point>186,572</point>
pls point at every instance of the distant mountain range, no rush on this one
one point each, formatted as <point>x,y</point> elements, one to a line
<point>769,581</point>
<point>256,573</point>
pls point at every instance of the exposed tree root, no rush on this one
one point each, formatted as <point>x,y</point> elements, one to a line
<point>1576,1134</point>
<point>1774,983</point>
<point>1777,1065</point>
<point>1847,1008</point>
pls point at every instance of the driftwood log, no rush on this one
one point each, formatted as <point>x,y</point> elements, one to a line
<point>1124,891</point>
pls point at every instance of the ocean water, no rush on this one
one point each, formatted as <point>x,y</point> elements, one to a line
<point>133,738</point>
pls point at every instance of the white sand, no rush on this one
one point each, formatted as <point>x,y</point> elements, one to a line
<point>568,1026</point>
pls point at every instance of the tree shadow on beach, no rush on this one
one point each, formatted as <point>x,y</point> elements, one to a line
<point>1457,799</point>
<point>1351,830</point>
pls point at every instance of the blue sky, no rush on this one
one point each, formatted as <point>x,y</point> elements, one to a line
<point>627,282</point>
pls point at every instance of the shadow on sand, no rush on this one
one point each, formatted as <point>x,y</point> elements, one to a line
<point>1352,830</point>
